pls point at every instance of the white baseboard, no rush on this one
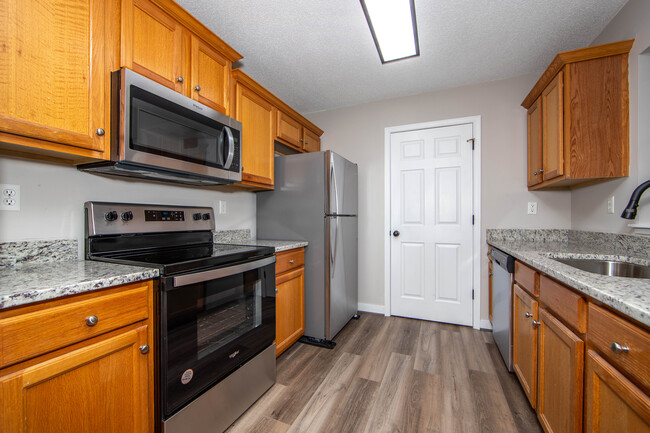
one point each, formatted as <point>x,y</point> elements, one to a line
<point>485,324</point>
<point>371,308</point>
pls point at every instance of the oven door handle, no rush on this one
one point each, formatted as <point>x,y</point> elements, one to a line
<point>199,277</point>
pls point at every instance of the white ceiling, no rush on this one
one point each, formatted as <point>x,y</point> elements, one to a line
<point>319,55</point>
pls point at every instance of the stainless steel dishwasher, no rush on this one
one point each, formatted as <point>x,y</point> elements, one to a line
<point>503,268</point>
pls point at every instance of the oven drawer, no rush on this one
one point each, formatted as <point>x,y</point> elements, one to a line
<point>287,260</point>
<point>31,334</point>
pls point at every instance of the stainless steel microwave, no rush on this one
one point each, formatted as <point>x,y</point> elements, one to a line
<point>160,134</point>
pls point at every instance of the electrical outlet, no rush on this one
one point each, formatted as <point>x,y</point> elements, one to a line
<point>222,207</point>
<point>10,197</point>
<point>610,205</point>
<point>532,208</point>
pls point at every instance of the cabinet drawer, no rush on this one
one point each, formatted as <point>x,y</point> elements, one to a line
<point>606,328</point>
<point>527,277</point>
<point>287,260</point>
<point>28,335</point>
<point>566,304</point>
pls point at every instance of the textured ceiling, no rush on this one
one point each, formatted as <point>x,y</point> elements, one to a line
<point>318,54</point>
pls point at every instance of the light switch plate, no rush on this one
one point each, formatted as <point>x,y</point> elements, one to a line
<point>610,205</point>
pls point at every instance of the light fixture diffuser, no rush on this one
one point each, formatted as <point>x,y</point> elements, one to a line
<point>393,27</point>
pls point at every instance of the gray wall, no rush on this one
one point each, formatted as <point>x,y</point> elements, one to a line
<point>589,204</point>
<point>52,198</point>
<point>357,133</point>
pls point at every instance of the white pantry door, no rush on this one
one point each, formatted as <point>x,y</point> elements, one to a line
<point>431,224</point>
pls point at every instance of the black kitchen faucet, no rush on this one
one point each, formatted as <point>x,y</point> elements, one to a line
<point>630,210</point>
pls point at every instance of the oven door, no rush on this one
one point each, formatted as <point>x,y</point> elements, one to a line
<point>211,323</point>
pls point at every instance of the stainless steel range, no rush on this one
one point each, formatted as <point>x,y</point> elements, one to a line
<point>216,315</point>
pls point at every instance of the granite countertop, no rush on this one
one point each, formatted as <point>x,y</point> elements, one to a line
<point>278,245</point>
<point>629,296</point>
<point>33,282</point>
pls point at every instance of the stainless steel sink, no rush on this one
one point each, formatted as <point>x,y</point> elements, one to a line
<point>608,267</point>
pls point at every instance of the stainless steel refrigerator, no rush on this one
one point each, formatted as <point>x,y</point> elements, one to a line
<point>315,199</point>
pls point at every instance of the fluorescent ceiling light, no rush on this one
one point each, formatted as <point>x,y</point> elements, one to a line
<point>393,27</point>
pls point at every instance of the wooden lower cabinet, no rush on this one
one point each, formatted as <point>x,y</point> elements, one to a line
<point>88,383</point>
<point>290,298</point>
<point>524,334</point>
<point>613,403</point>
<point>560,375</point>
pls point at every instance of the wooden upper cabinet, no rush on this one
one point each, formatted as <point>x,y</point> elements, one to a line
<point>210,76</point>
<point>55,76</point>
<point>289,130</point>
<point>552,132</point>
<point>256,114</point>
<point>311,141</point>
<point>152,44</point>
<point>584,102</point>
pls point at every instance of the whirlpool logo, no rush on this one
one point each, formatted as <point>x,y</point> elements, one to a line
<point>197,106</point>
<point>232,355</point>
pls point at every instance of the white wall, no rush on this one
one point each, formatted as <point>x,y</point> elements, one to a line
<point>589,204</point>
<point>357,133</point>
<point>52,198</point>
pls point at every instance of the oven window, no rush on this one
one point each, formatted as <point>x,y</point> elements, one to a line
<point>230,308</point>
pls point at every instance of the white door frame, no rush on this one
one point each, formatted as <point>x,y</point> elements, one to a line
<point>476,205</point>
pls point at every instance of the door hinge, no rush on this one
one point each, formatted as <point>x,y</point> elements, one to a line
<point>472,219</point>
<point>472,140</point>
<point>472,293</point>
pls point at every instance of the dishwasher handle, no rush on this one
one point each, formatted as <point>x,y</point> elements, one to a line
<point>503,260</point>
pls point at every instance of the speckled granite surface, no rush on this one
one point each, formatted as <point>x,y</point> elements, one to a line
<point>13,253</point>
<point>26,283</point>
<point>630,296</point>
<point>231,236</point>
<point>277,244</point>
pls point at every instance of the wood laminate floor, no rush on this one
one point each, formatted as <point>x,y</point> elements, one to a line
<point>391,374</point>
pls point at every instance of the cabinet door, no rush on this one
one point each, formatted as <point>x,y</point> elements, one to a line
<point>561,361</point>
<point>256,116</point>
<point>524,334</point>
<point>210,76</point>
<point>289,308</point>
<point>535,143</point>
<point>152,44</point>
<point>53,73</point>
<point>103,387</point>
<point>553,128</point>
<point>289,130</point>
<point>311,141</point>
<point>613,403</point>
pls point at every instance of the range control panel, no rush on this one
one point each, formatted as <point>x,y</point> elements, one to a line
<point>104,218</point>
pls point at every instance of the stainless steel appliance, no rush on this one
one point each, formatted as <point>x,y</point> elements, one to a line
<point>315,199</point>
<point>216,312</point>
<point>159,134</point>
<point>503,268</point>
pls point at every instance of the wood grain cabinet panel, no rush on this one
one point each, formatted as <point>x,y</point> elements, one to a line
<point>527,278</point>
<point>567,305</point>
<point>311,141</point>
<point>613,403</point>
<point>54,75</point>
<point>524,338</point>
<point>584,101</point>
<point>290,298</point>
<point>210,76</point>
<point>561,362</point>
<point>289,130</point>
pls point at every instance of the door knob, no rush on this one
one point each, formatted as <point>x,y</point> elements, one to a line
<point>396,233</point>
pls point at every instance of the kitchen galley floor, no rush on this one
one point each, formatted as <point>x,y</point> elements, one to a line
<point>391,374</point>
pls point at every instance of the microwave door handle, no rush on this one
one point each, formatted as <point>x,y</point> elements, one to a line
<point>231,148</point>
<point>200,277</point>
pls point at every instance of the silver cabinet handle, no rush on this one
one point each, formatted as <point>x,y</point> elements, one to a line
<point>100,132</point>
<point>527,314</point>
<point>276,290</point>
<point>292,261</point>
<point>197,88</point>
<point>144,349</point>
<point>536,323</point>
<point>179,79</point>
<point>91,320</point>
<point>534,173</point>
<point>618,348</point>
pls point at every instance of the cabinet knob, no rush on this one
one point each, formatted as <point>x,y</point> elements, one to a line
<point>301,140</point>
<point>490,274</point>
<point>144,349</point>
<point>197,88</point>
<point>619,348</point>
<point>536,323</point>
<point>179,79</point>
<point>534,173</point>
<point>276,290</point>
<point>541,171</point>
<point>527,314</point>
<point>100,132</point>
<point>91,320</point>
<point>292,261</point>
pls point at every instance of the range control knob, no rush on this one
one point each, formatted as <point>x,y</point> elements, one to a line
<point>196,216</point>
<point>127,216</point>
<point>206,216</point>
<point>110,215</point>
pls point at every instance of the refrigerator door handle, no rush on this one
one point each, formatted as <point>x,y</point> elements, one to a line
<point>334,240</point>
<point>334,188</point>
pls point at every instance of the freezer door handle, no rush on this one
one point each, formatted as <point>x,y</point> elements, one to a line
<point>334,225</point>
